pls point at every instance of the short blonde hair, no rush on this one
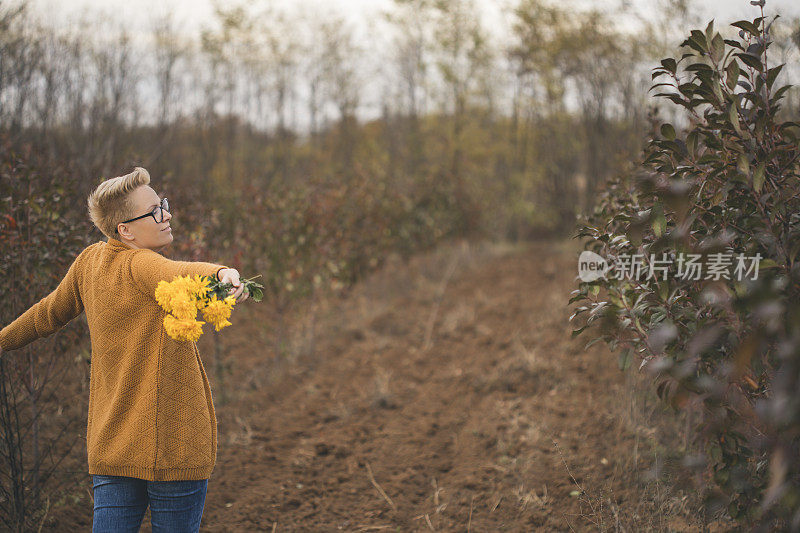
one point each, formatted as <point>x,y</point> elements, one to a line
<point>110,203</point>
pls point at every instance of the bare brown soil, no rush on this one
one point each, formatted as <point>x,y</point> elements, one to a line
<point>445,394</point>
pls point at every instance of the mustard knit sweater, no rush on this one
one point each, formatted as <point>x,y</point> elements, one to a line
<point>151,414</point>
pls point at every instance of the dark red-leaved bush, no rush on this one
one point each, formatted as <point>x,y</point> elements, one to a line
<point>728,182</point>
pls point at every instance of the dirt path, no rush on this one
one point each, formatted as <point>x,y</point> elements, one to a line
<point>482,429</point>
<point>445,394</point>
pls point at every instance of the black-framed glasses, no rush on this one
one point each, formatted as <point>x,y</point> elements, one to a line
<point>157,213</point>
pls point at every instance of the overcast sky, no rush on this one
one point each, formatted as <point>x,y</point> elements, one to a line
<point>195,13</point>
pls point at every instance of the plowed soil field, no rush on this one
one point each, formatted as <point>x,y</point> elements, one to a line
<point>440,394</point>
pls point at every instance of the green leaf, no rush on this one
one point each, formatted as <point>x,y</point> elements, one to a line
<point>698,67</point>
<point>779,93</point>
<point>697,40</point>
<point>750,61</point>
<point>254,289</point>
<point>718,93</point>
<point>733,115</point>
<point>257,294</point>
<point>659,224</point>
<point>662,84</point>
<point>670,64</point>
<point>732,72</point>
<point>772,74</point>
<point>717,48</point>
<point>691,142</point>
<point>743,165</point>
<point>734,44</point>
<point>668,131</point>
<point>674,97</point>
<point>576,298</point>
<point>710,29</point>
<point>592,342</point>
<point>747,26</point>
<point>625,358</point>
<point>758,176</point>
<point>577,332</point>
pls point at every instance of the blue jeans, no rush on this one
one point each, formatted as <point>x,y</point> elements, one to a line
<point>120,503</point>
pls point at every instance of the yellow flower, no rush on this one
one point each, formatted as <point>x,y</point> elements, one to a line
<point>199,288</point>
<point>186,283</point>
<point>183,330</point>
<point>183,307</point>
<point>182,297</point>
<point>164,292</point>
<point>218,312</point>
<point>219,325</point>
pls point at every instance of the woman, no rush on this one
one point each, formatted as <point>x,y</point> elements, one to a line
<point>152,432</point>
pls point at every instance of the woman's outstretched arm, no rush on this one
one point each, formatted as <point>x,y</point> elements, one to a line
<point>49,314</point>
<point>149,267</point>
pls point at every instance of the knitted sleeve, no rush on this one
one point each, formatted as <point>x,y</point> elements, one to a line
<point>148,267</point>
<point>49,314</point>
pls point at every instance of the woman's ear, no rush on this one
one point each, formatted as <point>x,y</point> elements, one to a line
<point>123,230</point>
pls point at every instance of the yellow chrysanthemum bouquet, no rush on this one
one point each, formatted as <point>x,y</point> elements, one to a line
<point>184,296</point>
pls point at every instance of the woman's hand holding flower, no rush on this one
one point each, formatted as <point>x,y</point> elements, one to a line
<point>231,275</point>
